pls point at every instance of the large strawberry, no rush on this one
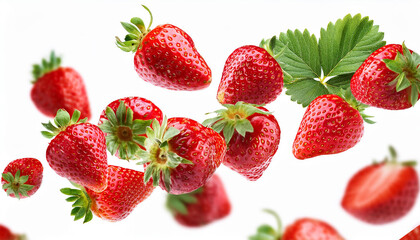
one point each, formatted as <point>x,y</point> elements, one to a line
<point>165,56</point>
<point>124,123</point>
<point>250,75</point>
<point>389,78</point>
<point>77,150</point>
<point>6,234</point>
<point>382,192</point>
<point>301,229</point>
<point>181,154</point>
<point>202,206</point>
<point>58,87</point>
<point>126,189</point>
<point>330,125</point>
<point>22,177</point>
<point>252,135</point>
<point>413,234</point>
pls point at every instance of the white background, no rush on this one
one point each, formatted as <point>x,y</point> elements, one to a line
<point>83,33</point>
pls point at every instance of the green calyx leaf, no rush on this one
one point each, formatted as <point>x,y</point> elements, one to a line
<point>136,31</point>
<point>46,66</point>
<point>267,232</point>
<point>124,133</point>
<point>393,159</point>
<point>81,203</point>
<point>16,184</point>
<point>62,120</point>
<point>233,118</point>
<point>177,204</point>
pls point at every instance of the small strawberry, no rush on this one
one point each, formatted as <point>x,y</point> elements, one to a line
<point>22,177</point>
<point>301,229</point>
<point>181,154</point>
<point>330,125</point>
<point>124,123</point>
<point>58,87</point>
<point>6,234</point>
<point>125,191</point>
<point>389,78</point>
<point>382,192</point>
<point>252,75</point>
<point>165,56</point>
<point>413,234</point>
<point>202,206</point>
<point>252,135</point>
<point>77,150</point>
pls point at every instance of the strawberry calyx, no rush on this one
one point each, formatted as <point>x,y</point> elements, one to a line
<point>269,45</point>
<point>123,134</point>
<point>16,184</point>
<point>46,66</point>
<point>158,156</point>
<point>267,232</point>
<point>392,159</point>
<point>177,204</point>
<point>136,31</point>
<point>233,118</point>
<point>407,66</point>
<point>81,202</point>
<point>62,120</point>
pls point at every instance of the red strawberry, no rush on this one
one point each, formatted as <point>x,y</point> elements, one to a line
<point>202,206</point>
<point>301,229</point>
<point>78,150</point>
<point>6,234</point>
<point>413,234</point>
<point>22,177</point>
<point>125,191</point>
<point>58,87</point>
<point>165,56</point>
<point>181,154</point>
<point>382,192</point>
<point>252,135</point>
<point>389,78</point>
<point>330,125</point>
<point>124,123</point>
<point>250,75</point>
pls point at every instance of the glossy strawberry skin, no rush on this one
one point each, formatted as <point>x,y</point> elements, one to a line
<point>250,75</point>
<point>251,155</point>
<point>168,58</point>
<point>310,229</point>
<point>370,83</point>
<point>413,234</point>
<point>28,167</point>
<point>79,154</point>
<point>61,88</point>
<point>204,147</point>
<point>381,193</point>
<point>330,125</point>
<point>6,234</point>
<point>125,191</point>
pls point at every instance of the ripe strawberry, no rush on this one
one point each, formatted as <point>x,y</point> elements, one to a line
<point>252,135</point>
<point>413,234</point>
<point>165,56</point>
<point>58,87</point>
<point>202,206</point>
<point>301,229</point>
<point>125,191</point>
<point>6,234</point>
<point>22,177</point>
<point>330,125</point>
<point>181,154</point>
<point>382,192</point>
<point>389,78</point>
<point>250,75</point>
<point>124,123</point>
<point>78,150</point>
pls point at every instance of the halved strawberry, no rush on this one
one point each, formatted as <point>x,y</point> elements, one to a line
<point>413,234</point>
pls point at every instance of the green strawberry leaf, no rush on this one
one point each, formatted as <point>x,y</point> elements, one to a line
<point>304,91</point>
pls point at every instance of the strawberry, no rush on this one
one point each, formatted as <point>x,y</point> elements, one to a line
<point>252,135</point>
<point>383,192</point>
<point>165,56</point>
<point>124,123</point>
<point>202,206</point>
<point>250,75</point>
<point>6,234</point>
<point>181,154</point>
<point>77,150</point>
<point>56,87</point>
<point>125,191</point>
<point>22,177</point>
<point>301,229</point>
<point>330,125</point>
<point>389,78</point>
<point>413,234</point>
